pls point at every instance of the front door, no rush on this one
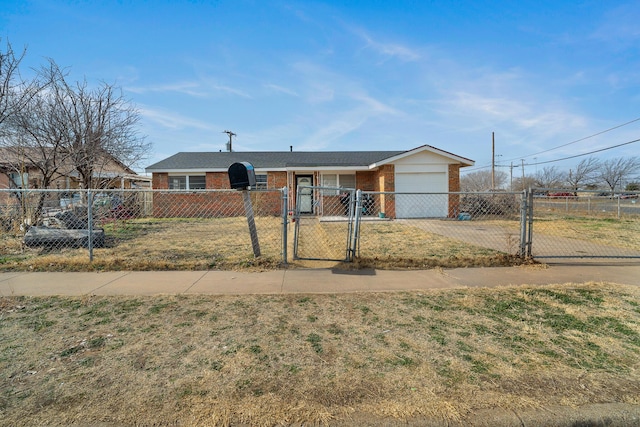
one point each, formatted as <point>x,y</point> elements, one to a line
<point>306,194</point>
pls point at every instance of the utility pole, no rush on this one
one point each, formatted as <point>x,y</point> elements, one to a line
<point>511,184</point>
<point>523,187</point>
<point>229,144</point>
<point>493,161</point>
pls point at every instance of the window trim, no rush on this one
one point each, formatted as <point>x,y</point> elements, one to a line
<point>337,182</point>
<point>187,182</point>
<point>262,185</point>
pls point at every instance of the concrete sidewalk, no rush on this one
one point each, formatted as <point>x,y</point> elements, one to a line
<point>305,280</point>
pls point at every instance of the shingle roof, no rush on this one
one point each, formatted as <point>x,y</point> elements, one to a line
<point>271,159</point>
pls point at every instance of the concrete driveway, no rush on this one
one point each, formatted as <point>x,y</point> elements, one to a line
<point>505,237</point>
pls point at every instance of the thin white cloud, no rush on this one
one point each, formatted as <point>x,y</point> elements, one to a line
<point>620,25</point>
<point>187,88</point>
<point>389,50</point>
<point>230,90</point>
<point>191,88</point>
<point>281,89</point>
<point>172,120</point>
<point>342,122</point>
<point>374,106</point>
<point>333,130</point>
<point>530,115</point>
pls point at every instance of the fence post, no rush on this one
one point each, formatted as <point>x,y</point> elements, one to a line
<point>530,222</point>
<point>356,226</point>
<point>285,221</point>
<point>296,219</point>
<point>90,223</point>
<point>523,223</point>
<point>619,206</point>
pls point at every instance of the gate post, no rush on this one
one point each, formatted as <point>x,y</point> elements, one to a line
<point>356,226</point>
<point>285,222</point>
<point>296,227</point>
<point>90,224</point>
<point>529,222</point>
<point>523,223</point>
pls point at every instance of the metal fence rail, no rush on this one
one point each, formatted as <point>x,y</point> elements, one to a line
<point>584,224</point>
<point>440,225</point>
<point>324,227</point>
<point>156,229</point>
<point>208,229</point>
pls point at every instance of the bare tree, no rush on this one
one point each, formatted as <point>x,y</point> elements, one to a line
<point>481,180</point>
<point>583,174</point>
<point>614,171</point>
<point>9,75</point>
<point>35,135</point>
<point>14,92</point>
<point>522,184</point>
<point>549,177</point>
<point>102,130</point>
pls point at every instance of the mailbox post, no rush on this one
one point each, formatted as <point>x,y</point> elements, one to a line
<point>242,177</point>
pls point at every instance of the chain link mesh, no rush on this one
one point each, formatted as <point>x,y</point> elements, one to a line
<point>139,228</point>
<point>585,224</point>
<point>208,229</point>
<point>422,226</point>
<point>324,232</point>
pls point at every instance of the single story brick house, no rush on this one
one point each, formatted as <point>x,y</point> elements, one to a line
<point>424,169</point>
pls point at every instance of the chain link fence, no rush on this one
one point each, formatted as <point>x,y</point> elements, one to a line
<point>408,229</point>
<point>324,223</point>
<point>139,229</point>
<point>441,228</point>
<point>209,229</point>
<point>584,224</point>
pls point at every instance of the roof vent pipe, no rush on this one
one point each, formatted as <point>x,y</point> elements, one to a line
<point>291,148</point>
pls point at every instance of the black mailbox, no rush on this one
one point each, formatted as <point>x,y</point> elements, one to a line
<point>242,175</point>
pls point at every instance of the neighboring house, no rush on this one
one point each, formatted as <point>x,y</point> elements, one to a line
<point>424,169</point>
<point>20,172</point>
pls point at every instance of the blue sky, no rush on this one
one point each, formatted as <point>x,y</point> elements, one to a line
<point>355,75</point>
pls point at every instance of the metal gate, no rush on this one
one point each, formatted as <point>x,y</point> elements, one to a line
<point>584,224</point>
<point>327,233</point>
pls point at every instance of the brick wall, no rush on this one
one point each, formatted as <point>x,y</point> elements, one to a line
<point>454,186</point>
<point>160,181</point>
<point>206,204</point>
<point>385,181</point>
<point>276,180</point>
<point>366,180</point>
<point>214,204</point>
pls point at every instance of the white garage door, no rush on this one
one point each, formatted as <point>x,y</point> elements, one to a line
<point>421,205</point>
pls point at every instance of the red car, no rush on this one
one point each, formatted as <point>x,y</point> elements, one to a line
<point>562,195</point>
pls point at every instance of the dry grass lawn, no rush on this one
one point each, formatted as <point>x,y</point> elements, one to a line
<point>224,243</point>
<point>621,233</point>
<point>305,359</point>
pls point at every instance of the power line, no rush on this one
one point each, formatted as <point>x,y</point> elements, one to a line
<point>583,154</point>
<point>561,146</point>
<point>559,160</point>
<point>578,140</point>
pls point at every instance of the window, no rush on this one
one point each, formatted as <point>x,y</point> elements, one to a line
<point>338,180</point>
<point>187,182</point>
<point>196,182</point>
<point>330,180</point>
<point>261,181</point>
<point>177,183</point>
<point>347,181</point>
<point>17,180</point>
